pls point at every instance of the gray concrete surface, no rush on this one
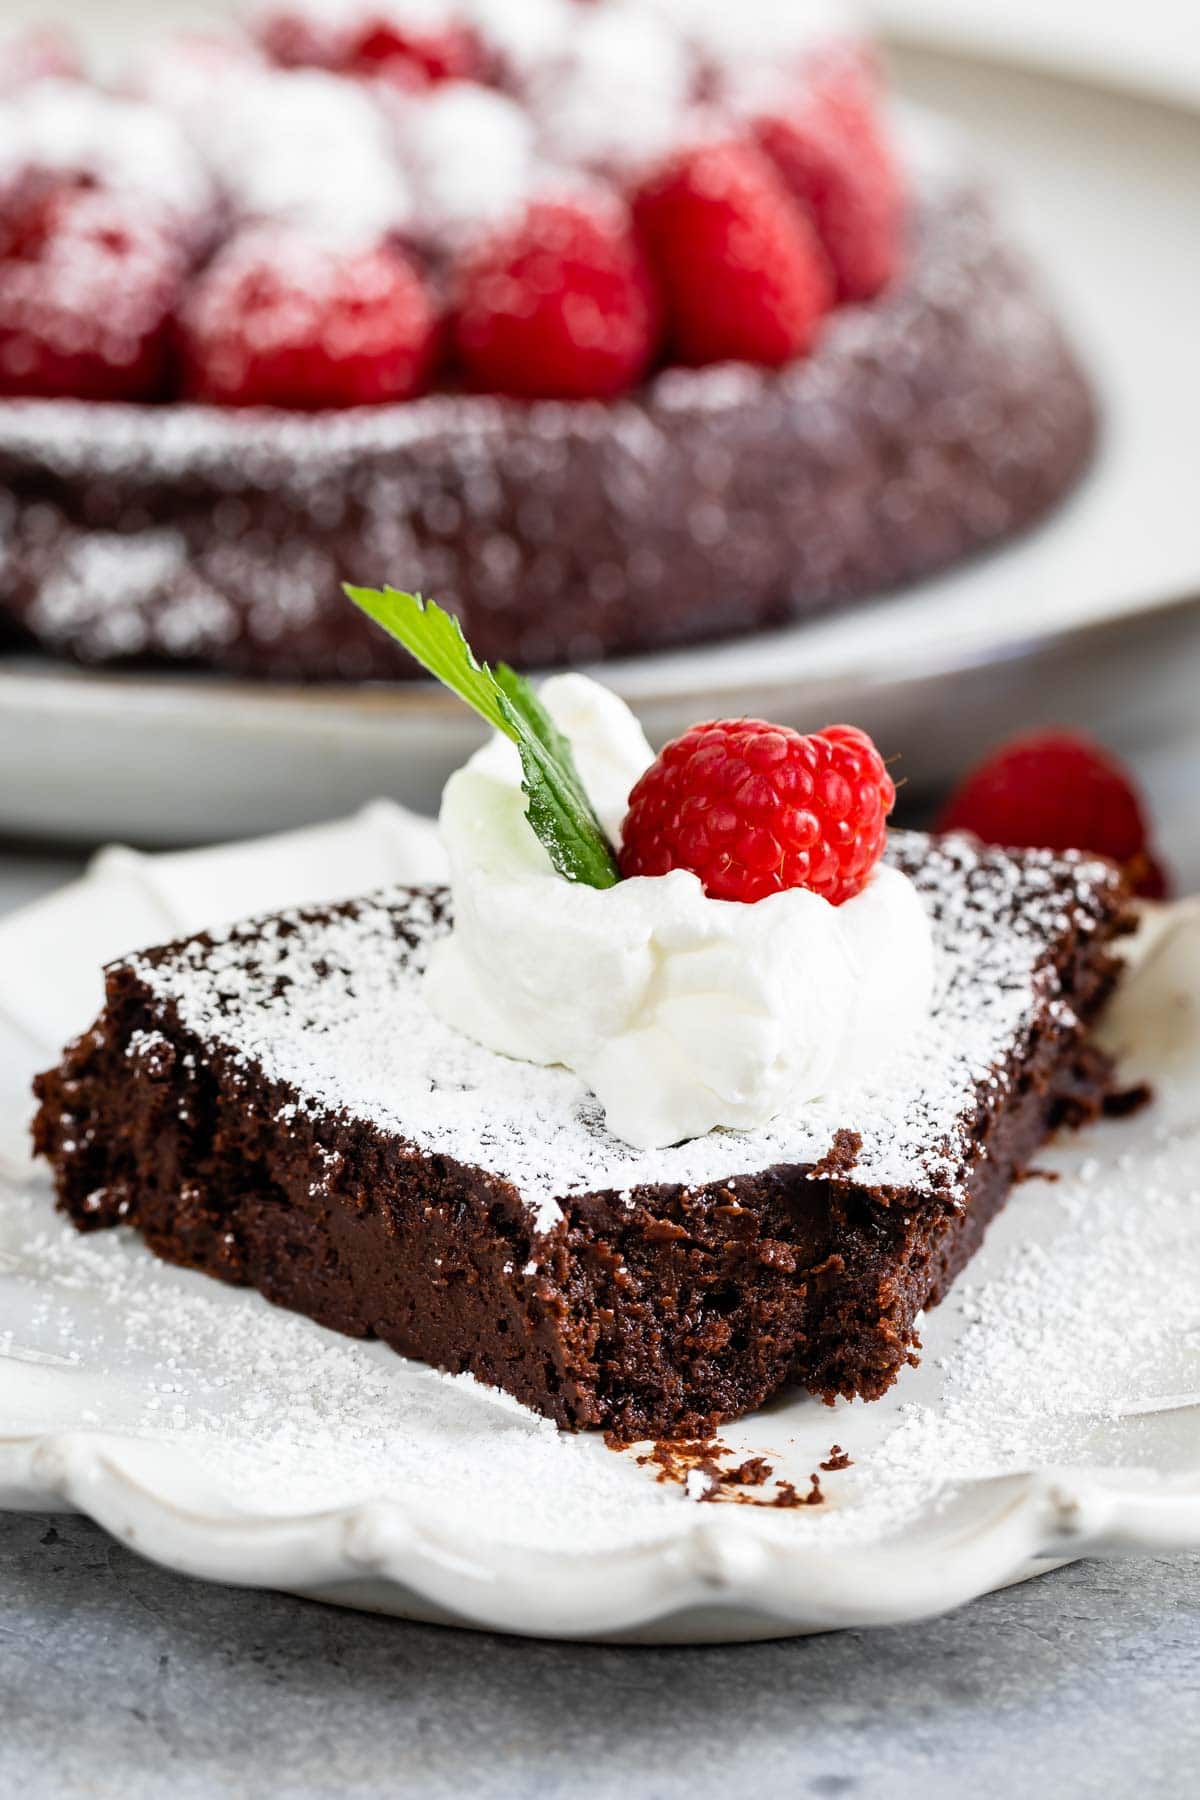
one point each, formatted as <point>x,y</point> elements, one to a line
<point>119,1679</point>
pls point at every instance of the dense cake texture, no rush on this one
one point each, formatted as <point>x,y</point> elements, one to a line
<point>938,419</point>
<point>277,1106</point>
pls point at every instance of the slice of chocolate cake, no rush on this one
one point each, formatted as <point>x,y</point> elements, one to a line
<point>276,1105</point>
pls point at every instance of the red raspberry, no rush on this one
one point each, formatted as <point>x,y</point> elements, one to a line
<point>88,285</point>
<point>1057,790</point>
<point>279,319</point>
<point>371,42</point>
<point>558,305</point>
<point>744,276</point>
<point>836,160</point>
<point>412,58</point>
<point>753,808</point>
<point>295,40</point>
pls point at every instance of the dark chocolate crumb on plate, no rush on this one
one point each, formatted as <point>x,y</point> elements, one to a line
<point>1128,1101</point>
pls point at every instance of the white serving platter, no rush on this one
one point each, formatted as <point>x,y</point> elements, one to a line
<point>1092,619</point>
<point>1055,1413</point>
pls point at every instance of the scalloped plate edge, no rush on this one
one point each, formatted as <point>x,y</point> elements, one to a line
<point>720,1579</point>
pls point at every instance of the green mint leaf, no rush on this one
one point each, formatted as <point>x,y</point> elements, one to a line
<point>559,810</point>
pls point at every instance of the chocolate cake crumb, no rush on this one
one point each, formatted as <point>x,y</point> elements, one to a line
<point>682,1459</point>
<point>695,1465</point>
<point>837,1459</point>
<point>756,1471</point>
<point>1129,1100</point>
<point>789,1497</point>
<point>842,1156</point>
<point>676,1459</point>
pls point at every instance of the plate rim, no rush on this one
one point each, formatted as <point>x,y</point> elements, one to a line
<point>43,681</point>
<point>718,1562</point>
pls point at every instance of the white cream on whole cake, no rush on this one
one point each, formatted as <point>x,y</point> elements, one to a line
<point>681,1013</point>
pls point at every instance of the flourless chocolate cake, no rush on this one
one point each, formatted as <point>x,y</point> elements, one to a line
<point>620,327</point>
<point>712,502</point>
<point>276,1105</point>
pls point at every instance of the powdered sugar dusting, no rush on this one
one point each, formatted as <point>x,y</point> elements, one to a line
<point>523,38</point>
<point>310,148</point>
<point>1082,1348</point>
<point>163,599</point>
<point>618,92</point>
<point>125,145</point>
<point>333,1007</point>
<point>472,159</point>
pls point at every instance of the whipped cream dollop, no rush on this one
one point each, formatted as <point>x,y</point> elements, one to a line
<point>681,1013</point>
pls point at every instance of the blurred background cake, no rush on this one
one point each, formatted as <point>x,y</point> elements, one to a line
<point>615,324</point>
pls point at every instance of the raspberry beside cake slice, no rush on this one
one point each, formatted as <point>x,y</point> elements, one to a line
<point>280,1106</point>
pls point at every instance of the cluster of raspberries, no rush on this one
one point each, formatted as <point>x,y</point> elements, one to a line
<point>732,244</point>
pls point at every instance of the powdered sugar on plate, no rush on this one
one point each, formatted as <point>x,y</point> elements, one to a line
<point>283,1414</point>
<point>1080,1332</point>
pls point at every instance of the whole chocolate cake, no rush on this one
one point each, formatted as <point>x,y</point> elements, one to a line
<point>617,325</point>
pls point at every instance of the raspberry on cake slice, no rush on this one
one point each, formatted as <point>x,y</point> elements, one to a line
<point>753,808</point>
<point>374,1113</point>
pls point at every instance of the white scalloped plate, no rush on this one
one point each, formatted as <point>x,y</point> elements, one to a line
<point>1056,1412</point>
